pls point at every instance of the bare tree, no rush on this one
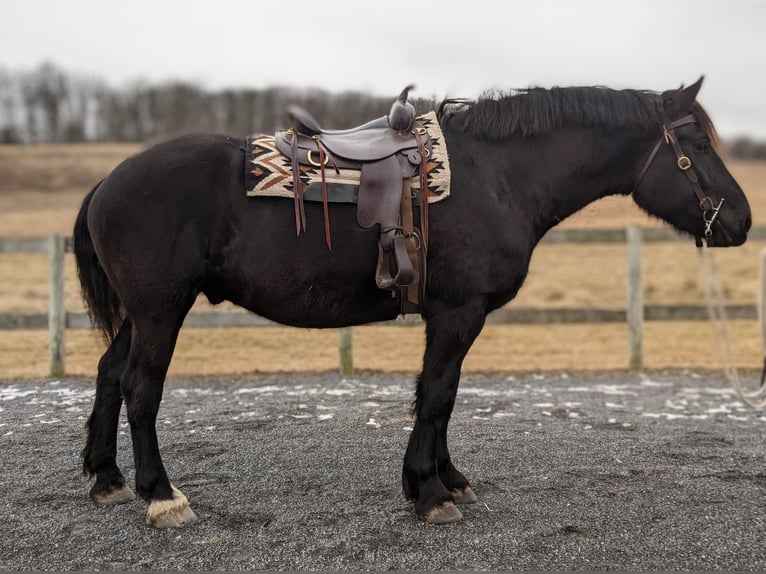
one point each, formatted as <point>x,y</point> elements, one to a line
<point>10,131</point>
<point>49,104</point>
<point>44,91</point>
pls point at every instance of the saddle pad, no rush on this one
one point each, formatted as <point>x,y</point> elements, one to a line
<point>269,173</point>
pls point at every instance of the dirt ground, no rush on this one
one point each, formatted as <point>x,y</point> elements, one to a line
<point>299,472</point>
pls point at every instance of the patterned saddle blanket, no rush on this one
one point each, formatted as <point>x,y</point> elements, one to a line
<point>268,172</point>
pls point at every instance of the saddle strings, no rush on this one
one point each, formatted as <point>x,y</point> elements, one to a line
<point>300,214</point>
<point>325,206</point>
<point>717,313</point>
<point>423,190</point>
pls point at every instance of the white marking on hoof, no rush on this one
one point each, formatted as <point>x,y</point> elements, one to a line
<point>115,496</point>
<point>465,496</point>
<point>171,513</point>
<point>443,514</point>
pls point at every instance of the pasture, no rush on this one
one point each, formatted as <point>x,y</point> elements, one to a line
<point>41,187</point>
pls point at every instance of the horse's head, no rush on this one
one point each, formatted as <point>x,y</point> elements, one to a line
<point>683,181</point>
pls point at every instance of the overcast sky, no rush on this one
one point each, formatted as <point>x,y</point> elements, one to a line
<point>446,47</point>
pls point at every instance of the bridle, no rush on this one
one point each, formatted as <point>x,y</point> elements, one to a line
<point>708,208</point>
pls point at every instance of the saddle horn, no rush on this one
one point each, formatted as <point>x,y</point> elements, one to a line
<point>402,113</point>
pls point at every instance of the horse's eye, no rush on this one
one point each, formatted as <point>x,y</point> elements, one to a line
<point>702,145</point>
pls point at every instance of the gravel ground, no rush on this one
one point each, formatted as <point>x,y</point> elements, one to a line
<point>297,472</point>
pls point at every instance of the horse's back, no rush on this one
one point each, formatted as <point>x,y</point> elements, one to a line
<point>179,166</point>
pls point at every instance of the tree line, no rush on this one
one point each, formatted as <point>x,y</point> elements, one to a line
<point>48,104</point>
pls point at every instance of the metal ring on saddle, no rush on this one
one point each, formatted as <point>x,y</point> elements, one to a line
<point>316,163</point>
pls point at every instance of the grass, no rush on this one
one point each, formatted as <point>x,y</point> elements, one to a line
<point>41,188</point>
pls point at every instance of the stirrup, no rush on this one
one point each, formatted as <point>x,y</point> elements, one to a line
<point>405,272</point>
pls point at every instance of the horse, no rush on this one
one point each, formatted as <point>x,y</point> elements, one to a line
<point>173,222</point>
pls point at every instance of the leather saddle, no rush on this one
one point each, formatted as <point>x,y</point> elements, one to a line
<point>388,152</point>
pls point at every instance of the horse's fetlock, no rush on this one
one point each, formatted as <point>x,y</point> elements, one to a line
<point>153,486</point>
<point>452,478</point>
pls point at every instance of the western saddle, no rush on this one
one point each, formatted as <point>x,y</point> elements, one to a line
<point>388,152</point>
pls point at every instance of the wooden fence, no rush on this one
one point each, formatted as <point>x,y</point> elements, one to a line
<point>57,320</point>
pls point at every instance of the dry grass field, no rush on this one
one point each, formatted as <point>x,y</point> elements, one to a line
<point>41,188</point>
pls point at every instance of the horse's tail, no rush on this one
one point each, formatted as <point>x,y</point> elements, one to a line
<point>103,304</point>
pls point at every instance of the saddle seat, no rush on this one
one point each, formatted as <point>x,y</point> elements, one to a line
<point>303,122</point>
<point>387,160</point>
<point>369,142</point>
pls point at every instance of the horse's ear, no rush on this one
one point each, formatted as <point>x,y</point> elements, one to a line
<point>682,99</point>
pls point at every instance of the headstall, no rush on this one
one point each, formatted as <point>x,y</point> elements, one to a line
<point>709,208</point>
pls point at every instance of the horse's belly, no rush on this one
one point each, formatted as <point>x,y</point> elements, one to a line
<point>320,306</point>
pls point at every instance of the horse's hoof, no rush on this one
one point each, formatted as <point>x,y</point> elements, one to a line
<point>445,513</point>
<point>464,496</point>
<point>171,513</point>
<point>119,495</point>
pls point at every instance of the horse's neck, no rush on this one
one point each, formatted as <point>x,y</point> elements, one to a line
<point>579,167</point>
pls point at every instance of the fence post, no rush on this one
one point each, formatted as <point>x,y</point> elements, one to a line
<point>56,306</point>
<point>346,351</point>
<point>635,310</point>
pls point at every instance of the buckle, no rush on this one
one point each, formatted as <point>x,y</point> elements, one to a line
<point>684,163</point>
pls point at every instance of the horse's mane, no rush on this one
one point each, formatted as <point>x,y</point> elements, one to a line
<point>535,111</point>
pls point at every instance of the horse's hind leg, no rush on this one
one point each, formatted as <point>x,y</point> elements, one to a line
<point>428,475</point>
<point>100,453</point>
<point>151,349</point>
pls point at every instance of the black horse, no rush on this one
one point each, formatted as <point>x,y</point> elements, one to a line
<point>174,221</point>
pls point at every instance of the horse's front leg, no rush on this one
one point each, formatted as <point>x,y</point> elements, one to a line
<point>451,477</point>
<point>429,477</point>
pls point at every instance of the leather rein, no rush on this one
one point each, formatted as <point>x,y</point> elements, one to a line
<point>707,206</point>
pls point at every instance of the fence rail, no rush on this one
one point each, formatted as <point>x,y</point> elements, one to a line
<point>57,320</point>
<point>505,316</point>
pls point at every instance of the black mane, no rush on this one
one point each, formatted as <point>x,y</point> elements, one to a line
<point>536,111</point>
